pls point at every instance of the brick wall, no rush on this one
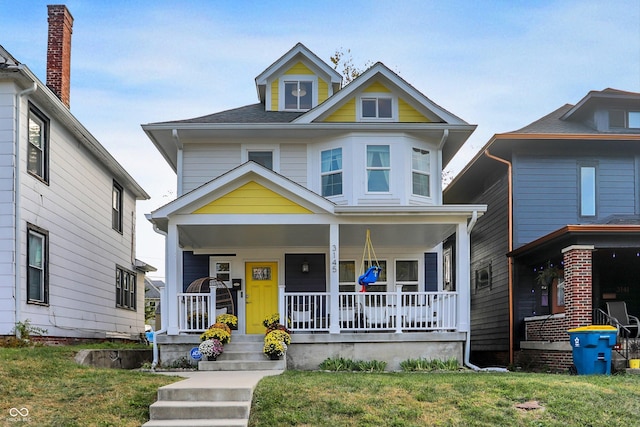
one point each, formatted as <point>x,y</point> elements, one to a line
<point>551,329</point>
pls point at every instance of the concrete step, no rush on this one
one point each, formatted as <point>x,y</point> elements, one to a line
<point>242,355</point>
<point>242,365</point>
<point>197,423</point>
<point>186,410</point>
<point>210,394</point>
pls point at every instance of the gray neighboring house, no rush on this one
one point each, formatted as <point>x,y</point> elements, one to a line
<point>561,236</point>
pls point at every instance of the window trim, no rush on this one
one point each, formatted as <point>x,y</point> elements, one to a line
<point>376,168</point>
<point>426,173</point>
<point>44,120</point>
<point>377,96</point>
<point>288,78</point>
<point>582,189</point>
<point>274,148</point>
<point>132,294</point>
<point>44,286</point>
<point>117,216</point>
<point>332,172</point>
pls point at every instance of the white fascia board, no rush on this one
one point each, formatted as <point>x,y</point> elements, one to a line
<point>453,210</point>
<point>363,79</point>
<point>245,170</point>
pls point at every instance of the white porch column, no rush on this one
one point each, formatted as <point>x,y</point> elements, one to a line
<point>334,277</point>
<point>463,285</point>
<point>174,284</point>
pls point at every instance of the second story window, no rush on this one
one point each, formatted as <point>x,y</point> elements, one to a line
<point>264,158</point>
<point>116,207</point>
<point>298,95</point>
<point>38,147</point>
<point>587,190</point>
<point>420,167</point>
<point>331,172</point>
<point>376,107</point>
<point>378,168</point>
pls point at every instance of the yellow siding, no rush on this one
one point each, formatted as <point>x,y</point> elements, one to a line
<point>323,91</point>
<point>346,113</point>
<point>274,95</point>
<point>376,87</point>
<point>299,68</point>
<point>408,114</point>
<point>252,198</point>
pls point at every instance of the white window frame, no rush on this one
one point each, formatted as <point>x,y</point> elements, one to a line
<point>426,172</point>
<point>43,267</point>
<point>588,190</point>
<point>40,119</point>
<point>288,78</point>
<point>376,168</point>
<point>332,172</point>
<point>377,96</point>
<point>273,148</point>
<point>416,282</point>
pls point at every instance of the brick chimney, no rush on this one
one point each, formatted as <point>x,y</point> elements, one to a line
<point>59,51</point>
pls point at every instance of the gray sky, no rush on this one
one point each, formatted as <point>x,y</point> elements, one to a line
<point>497,64</point>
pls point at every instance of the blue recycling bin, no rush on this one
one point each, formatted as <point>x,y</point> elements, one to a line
<point>592,348</point>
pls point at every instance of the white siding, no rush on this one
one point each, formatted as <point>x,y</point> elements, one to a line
<point>7,211</point>
<point>293,162</point>
<point>84,249</point>
<point>204,162</point>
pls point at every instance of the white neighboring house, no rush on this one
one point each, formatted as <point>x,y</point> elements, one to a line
<point>67,210</point>
<point>275,200</point>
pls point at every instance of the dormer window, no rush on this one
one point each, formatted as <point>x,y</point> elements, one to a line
<point>376,107</point>
<point>624,119</point>
<point>298,94</point>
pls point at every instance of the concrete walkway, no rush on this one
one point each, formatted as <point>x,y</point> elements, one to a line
<point>206,398</point>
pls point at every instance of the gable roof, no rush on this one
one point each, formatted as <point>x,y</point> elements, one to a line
<point>297,53</point>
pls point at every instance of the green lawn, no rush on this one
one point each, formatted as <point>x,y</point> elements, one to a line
<point>58,392</point>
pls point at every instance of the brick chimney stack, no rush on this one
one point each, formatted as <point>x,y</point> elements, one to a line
<point>59,51</point>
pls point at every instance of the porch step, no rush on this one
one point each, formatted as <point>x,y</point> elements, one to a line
<point>243,365</point>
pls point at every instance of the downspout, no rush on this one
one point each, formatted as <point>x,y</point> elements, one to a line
<point>18,232</point>
<point>163,300</point>
<point>510,245</point>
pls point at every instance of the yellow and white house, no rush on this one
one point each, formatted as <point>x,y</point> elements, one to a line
<point>276,200</point>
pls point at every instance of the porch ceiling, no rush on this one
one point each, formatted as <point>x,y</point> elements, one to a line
<point>303,235</point>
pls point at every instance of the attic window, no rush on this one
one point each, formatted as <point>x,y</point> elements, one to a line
<point>298,95</point>
<point>376,108</point>
<point>624,119</point>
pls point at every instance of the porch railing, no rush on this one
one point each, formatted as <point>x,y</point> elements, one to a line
<point>194,311</point>
<point>624,341</point>
<point>357,311</point>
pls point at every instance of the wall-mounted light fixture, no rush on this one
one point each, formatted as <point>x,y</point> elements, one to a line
<point>305,266</point>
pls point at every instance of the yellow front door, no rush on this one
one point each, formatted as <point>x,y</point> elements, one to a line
<point>261,294</point>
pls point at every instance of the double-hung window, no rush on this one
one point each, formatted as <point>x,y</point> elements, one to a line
<point>420,168</point>
<point>378,168</point>
<point>331,172</point>
<point>37,265</point>
<point>587,190</point>
<point>116,207</point>
<point>376,107</point>
<point>126,289</point>
<point>298,94</point>
<point>38,146</point>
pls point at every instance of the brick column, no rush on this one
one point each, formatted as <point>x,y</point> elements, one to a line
<point>578,289</point>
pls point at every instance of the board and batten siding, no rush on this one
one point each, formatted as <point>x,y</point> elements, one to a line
<point>7,209</point>
<point>547,193</point>
<point>84,249</point>
<point>489,244</point>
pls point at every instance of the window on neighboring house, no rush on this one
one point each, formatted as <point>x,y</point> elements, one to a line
<point>587,190</point>
<point>378,168</point>
<point>347,276</point>
<point>38,147</point>
<point>376,107</point>
<point>116,207</point>
<point>420,168</point>
<point>126,295</point>
<point>264,158</point>
<point>624,119</point>
<point>37,265</point>
<point>407,275</point>
<point>331,172</point>
<point>298,95</point>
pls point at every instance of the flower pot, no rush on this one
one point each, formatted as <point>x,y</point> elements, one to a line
<point>634,363</point>
<point>274,357</point>
<point>212,358</point>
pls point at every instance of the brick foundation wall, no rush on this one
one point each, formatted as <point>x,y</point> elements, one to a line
<point>544,360</point>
